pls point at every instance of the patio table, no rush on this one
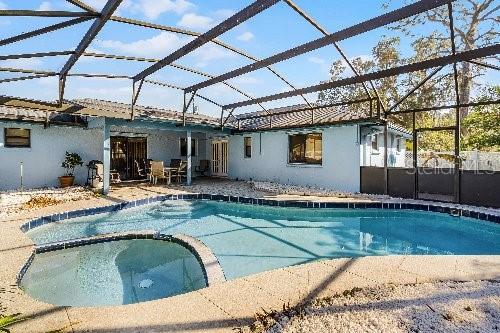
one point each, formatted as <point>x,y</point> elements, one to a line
<point>168,172</point>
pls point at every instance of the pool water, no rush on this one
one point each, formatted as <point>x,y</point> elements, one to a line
<point>248,239</point>
<point>113,273</point>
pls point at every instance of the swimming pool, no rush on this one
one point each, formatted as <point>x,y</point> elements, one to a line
<point>249,239</point>
<point>113,273</point>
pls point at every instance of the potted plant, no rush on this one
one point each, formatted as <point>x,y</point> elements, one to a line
<point>71,161</point>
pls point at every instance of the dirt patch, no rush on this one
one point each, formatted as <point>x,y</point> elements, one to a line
<point>13,202</point>
<point>40,201</point>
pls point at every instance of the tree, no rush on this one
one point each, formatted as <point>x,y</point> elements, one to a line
<point>483,124</point>
<point>385,54</point>
<point>475,24</point>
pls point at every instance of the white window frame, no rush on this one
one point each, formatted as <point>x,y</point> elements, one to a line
<point>304,164</point>
<point>6,145</point>
<point>245,147</point>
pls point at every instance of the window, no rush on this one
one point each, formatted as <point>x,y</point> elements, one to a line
<point>398,145</point>
<point>17,138</point>
<point>247,142</point>
<point>374,142</point>
<point>183,144</point>
<point>305,148</point>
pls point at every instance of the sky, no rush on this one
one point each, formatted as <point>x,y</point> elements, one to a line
<point>276,29</point>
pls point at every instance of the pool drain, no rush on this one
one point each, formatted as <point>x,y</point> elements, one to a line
<point>146,283</point>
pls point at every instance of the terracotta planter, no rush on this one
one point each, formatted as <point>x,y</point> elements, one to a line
<point>66,181</point>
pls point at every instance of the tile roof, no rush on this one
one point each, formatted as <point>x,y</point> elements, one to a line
<point>302,116</point>
<point>74,112</point>
<point>122,109</point>
<point>23,110</point>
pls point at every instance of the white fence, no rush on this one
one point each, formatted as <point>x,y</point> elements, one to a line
<point>471,160</point>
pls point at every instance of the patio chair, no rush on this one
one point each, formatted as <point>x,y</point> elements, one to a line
<point>140,171</point>
<point>203,167</point>
<point>147,165</point>
<point>180,172</point>
<point>175,163</point>
<point>157,171</point>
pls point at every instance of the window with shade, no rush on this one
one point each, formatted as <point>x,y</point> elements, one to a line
<point>17,138</point>
<point>183,147</point>
<point>247,141</point>
<point>305,149</point>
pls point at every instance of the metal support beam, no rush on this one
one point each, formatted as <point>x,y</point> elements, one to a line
<point>26,71</point>
<point>235,20</point>
<point>108,10</point>
<point>46,13</point>
<point>222,119</point>
<point>197,34</point>
<point>415,156</point>
<point>44,30</point>
<point>316,25</point>
<point>179,88</point>
<point>174,65</point>
<point>408,94</point>
<point>81,5</point>
<point>135,96</point>
<point>106,157</point>
<point>35,55</point>
<point>404,69</point>
<point>188,158</point>
<point>374,23</point>
<point>28,77</point>
<point>186,107</point>
<point>457,130</point>
<point>62,86</point>
<point>227,118</point>
<point>482,64</point>
<point>445,107</point>
<point>435,129</point>
<point>102,76</point>
<point>386,174</point>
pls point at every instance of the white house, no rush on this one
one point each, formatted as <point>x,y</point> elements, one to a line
<point>281,148</point>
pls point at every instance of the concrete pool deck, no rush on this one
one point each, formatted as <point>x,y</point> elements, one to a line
<point>222,307</point>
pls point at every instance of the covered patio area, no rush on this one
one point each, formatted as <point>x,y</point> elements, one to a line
<point>131,149</point>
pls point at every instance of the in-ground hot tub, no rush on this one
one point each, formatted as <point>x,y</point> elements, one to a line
<point>113,273</point>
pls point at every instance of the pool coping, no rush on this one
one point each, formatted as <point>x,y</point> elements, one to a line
<point>227,306</point>
<point>209,263</point>
<point>480,213</point>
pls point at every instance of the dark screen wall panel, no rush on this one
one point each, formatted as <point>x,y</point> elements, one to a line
<point>480,188</point>
<point>435,181</point>
<point>372,180</point>
<point>401,182</point>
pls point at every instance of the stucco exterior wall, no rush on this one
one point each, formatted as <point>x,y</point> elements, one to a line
<point>269,161</point>
<point>371,157</point>
<point>42,161</point>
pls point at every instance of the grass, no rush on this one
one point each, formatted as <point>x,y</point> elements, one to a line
<point>9,320</point>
